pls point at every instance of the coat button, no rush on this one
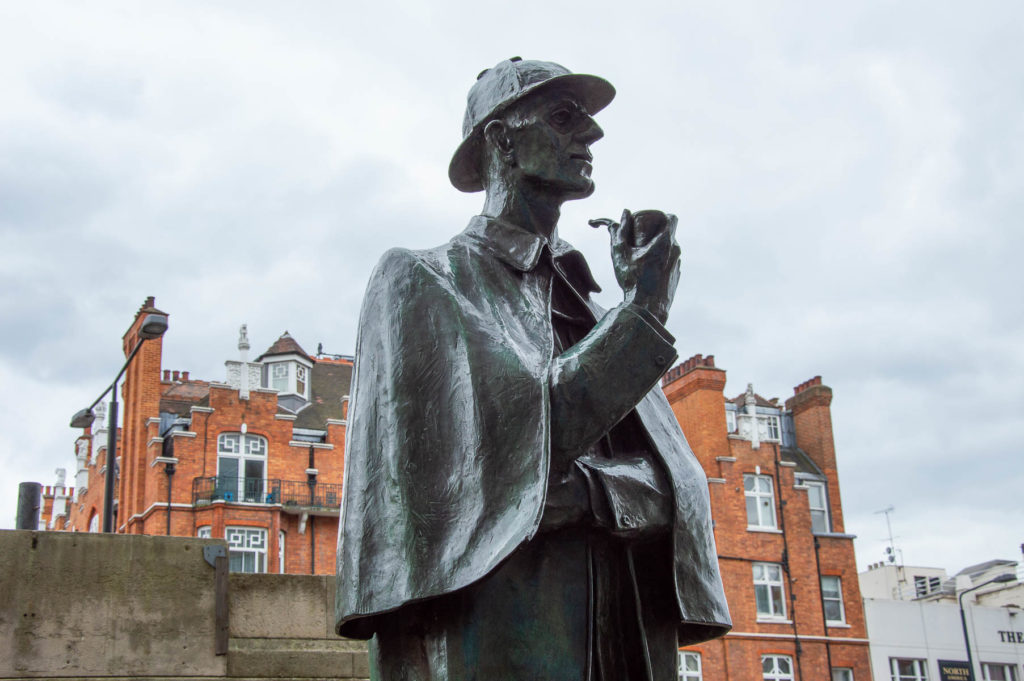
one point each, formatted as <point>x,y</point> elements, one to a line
<point>659,360</point>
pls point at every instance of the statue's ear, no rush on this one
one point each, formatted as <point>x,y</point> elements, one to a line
<point>496,134</point>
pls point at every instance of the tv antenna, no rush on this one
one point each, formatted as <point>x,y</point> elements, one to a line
<point>890,550</point>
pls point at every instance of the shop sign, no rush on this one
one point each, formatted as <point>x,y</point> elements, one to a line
<point>953,670</point>
<point>1011,636</point>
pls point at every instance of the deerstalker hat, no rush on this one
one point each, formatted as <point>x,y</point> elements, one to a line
<point>497,88</point>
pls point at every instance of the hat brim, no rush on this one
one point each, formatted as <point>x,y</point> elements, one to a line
<point>464,170</point>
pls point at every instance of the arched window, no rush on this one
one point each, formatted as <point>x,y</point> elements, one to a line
<point>241,467</point>
<point>94,522</point>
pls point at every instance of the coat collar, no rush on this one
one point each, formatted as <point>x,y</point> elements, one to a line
<point>522,249</point>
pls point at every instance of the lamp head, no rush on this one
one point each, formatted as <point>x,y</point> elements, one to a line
<point>153,326</point>
<point>82,419</point>
<point>1004,578</point>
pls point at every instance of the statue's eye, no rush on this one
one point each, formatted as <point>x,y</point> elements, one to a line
<point>561,117</point>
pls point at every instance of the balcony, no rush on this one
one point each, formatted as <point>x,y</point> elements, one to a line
<point>293,496</point>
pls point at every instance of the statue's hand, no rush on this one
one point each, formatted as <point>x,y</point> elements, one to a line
<point>645,256</point>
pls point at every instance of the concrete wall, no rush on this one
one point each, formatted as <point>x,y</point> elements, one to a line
<point>77,605</point>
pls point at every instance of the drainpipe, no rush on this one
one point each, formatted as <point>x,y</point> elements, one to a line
<point>824,617</point>
<point>311,481</point>
<point>169,471</point>
<point>785,562</point>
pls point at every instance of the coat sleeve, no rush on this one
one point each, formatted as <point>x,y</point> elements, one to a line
<point>599,380</point>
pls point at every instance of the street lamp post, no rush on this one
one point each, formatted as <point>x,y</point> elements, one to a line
<point>153,326</point>
<point>1000,579</point>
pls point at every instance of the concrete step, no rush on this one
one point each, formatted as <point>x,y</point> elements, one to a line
<point>290,658</point>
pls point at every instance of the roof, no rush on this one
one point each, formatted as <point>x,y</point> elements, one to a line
<point>330,381</point>
<point>741,400</point>
<point>285,345</point>
<point>179,398</point>
<point>974,570</point>
<point>804,464</point>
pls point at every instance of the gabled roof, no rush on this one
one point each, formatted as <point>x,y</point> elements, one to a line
<point>285,345</point>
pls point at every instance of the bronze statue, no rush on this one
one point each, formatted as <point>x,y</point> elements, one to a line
<point>519,500</point>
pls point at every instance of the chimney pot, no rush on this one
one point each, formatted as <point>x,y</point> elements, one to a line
<point>174,375</point>
<point>167,374</point>
<point>184,375</point>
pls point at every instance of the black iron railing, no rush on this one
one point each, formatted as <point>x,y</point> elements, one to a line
<point>295,493</point>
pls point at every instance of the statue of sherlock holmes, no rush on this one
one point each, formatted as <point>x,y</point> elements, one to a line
<point>519,501</point>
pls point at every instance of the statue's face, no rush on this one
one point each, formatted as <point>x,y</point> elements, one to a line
<point>551,139</point>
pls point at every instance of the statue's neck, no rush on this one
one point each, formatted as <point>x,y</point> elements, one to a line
<point>532,210</point>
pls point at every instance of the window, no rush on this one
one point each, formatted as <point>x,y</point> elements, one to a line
<point>776,668</point>
<point>760,501</point>
<point>247,549</point>
<point>280,552</point>
<point>289,377</point>
<point>689,666</point>
<point>768,591</point>
<point>991,671</point>
<point>842,674</point>
<point>241,464</point>
<point>94,522</point>
<point>730,421</point>
<point>279,376</point>
<point>204,532</point>
<point>817,499</point>
<point>908,670</point>
<point>772,428</point>
<point>924,585</point>
<point>832,600</point>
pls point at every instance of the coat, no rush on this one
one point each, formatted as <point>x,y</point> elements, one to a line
<point>449,438</point>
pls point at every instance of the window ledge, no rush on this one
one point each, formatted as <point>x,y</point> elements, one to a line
<point>766,530</point>
<point>837,625</point>
<point>834,535</point>
<point>761,619</point>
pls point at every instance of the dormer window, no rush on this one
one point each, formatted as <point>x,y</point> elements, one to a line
<point>289,377</point>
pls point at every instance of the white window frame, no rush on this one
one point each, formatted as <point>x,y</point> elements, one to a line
<point>244,447</point>
<point>246,541</point>
<point>819,512</point>
<point>690,666</point>
<point>918,673</point>
<point>730,421</point>
<point>1009,669</point>
<point>838,598</point>
<point>773,428</point>
<point>777,672</point>
<point>768,580</point>
<point>842,674</point>
<point>94,523</point>
<point>764,501</point>
<point>284,377</point>
<point>280,552</point>
<point>204,532</point>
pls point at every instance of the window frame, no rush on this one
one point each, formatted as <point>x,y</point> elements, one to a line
<point>838,598</point>
<point>240,551</point>
<point>845,673</point>
<point>731,425</point>
<point>777,674</point>
<point>759,498</point>
<point>986,666</point>
<point>772,428</point>
<point>242,453</point>
<point>204,532</point>
<point>768,584</point>
<point>823,510</point>
<point>689,674</point>
<point>920,669</point>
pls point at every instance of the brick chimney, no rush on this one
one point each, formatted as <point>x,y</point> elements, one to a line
<point>812,420</point>
<point>694,389</point>
<point>140,393</point>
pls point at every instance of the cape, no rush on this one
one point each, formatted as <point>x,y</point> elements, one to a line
<point>449,438</point>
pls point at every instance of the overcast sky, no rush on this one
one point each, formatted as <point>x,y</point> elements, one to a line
<point>848,179</point>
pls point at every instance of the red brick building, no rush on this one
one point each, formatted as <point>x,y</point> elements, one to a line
<point>256,459</point>
<point>788,565</point>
